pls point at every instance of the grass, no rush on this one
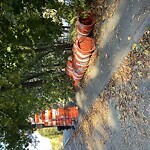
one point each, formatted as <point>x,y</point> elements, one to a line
<point>56,137</point>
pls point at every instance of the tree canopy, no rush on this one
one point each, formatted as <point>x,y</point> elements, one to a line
<point>32,62</point>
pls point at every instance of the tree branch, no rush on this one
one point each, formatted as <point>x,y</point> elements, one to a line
<point>33,84</point>
<point>37,75</point>
<point>45,49</point>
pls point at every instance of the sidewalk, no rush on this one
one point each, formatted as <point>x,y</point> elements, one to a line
<point>118,34</point>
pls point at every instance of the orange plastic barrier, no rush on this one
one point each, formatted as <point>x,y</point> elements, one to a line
<point>57,117</point>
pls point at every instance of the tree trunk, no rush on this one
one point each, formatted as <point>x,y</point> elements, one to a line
<point>33,84</point>
<point>37,75</point>
<point>24,85</point>
<point>46,49</point>
<point>66,27</point>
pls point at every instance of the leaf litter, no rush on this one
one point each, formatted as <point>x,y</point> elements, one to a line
<point>130,103</point>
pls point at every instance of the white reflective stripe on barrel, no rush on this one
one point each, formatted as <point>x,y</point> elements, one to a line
<point>49,123</point>
<point>81,64</point>
<point>78,75</point>
<point>76,78</point>
<point>68,67</point>
<point>70,71</point>
<point>84,60</point>
<point>83,34</point>
<point>46,116</point>
<point>83,55</point>
<point>77,50</point>
<point>53,113</point>
<point>54,122</point>
<point>79,24</point>
<point>54,117</point>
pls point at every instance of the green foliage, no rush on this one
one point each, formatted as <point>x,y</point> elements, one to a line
<point>32,75</point>
<point>70,11</point>
<point>32,64</point>
<point>49,132</point>
<point>15,108</point>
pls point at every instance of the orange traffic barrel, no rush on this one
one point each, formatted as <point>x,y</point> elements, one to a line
<point>77,76</point>
<point>43,116</point>
<point>78,53</point>
<point>69,68</point>
<point>85,45</point>
<point>84,24</point>
<point>37,118</point>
